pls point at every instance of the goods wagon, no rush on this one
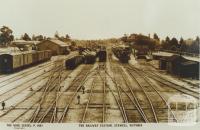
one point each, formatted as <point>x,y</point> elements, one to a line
<point>27,58</point>
<point>102,55</point>
<point>89,57</point>
<point>122,53</point>
<point>74,62</point>
<point>11,62</point>
<point>16,61</point>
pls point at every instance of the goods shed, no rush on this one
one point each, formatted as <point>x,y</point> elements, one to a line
<point>178,65</point>
<point>24,45</point>
<point>190,69</point>
<point>56,46</point>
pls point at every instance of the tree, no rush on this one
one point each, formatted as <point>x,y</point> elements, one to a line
<point>165,44</point>
<point>67,36</point>
<point>124,38</point>
<point>183,46</point>
<point>155,36</point>
<point>56,35</point>
<point>26,37</point>
<point>142,41</point>
<point>6,35</point>
<point>39,38</point>
<point>173,44</point>
<point>167,39</point>
<point>198,39</point>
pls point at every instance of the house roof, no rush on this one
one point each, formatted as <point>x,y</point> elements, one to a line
<point>58,42</point>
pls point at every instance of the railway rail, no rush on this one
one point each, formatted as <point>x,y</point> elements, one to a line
<point>132,98</point>
<point>17,77</point>
<point>52,78</point>
<point>75,86</point>
<point>25,99</point>
<point>52,84</point>
<point>166,82</point>
<point>151,86</point>
<point>99,82</point>
<point>146,95</point>
<point>46,89</point>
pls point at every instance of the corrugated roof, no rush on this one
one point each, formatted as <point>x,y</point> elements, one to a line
<point>167,54</point>
<point>23,42</point>
<point>189,63</point>
<point>60,43</point>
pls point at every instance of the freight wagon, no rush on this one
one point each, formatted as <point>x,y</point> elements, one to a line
<point>102,55</point>
<point>74,62</point>
<point>17,61</point>
<point>89,57</point>
<point>122,53</point>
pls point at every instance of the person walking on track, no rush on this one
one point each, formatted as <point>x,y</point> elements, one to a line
<point>78,98</point>
<point>3,105</point>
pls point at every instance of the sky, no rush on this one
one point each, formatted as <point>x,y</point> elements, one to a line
<point>99,19</point>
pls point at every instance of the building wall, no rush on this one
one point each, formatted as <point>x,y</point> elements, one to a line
<point>48,45</point>
<point>190,71</point>
<point>162,64</point>
<point>176,67</point>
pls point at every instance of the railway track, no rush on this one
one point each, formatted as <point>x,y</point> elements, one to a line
<point>20,87</point>
<point>45,109</point>
<point>41,112</point>
<point>167,83</point>
<point>31,71</point>
<point>98,84</point>
<point>22,75</point>
<point>132,98</point>
<point>149,69</point>
<point>46,90</point>
<point>145,95</point>
<point>25,99</point>
<point>51,79</point>
<point>104,92</point>
<point>125,112</point>
<point>75,86</point>
<point>10,76</point>
<point>150,87</point>
<point>148,110</point>
<point>87,105</point>
<point>4,96</point>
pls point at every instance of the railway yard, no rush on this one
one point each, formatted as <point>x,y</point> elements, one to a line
<point>107,91</point>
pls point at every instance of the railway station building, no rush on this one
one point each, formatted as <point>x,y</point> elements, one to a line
<point>56,46</point>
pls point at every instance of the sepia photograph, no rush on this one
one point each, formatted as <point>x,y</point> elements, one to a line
<point>99,64</point>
